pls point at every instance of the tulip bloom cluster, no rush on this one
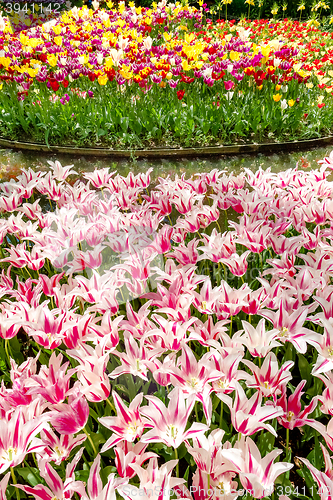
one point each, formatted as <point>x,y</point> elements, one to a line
<point>178,330</point>
<point>142,58</point>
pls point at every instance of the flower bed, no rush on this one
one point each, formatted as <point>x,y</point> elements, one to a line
<point>187,324</point>
<point>139,77</point>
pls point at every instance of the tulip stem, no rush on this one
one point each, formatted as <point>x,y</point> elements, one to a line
<point>90,441</point>
<point>221,415</point>
<point>177,466</point>
<point>15,482</point>
<point>261,262</point>
<point>112,406</point>
<point>196,412</point>
<point>230,326</point>
<point>7,350</point>
<point>287,449</point>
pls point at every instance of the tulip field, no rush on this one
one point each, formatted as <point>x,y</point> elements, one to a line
<point>169,75</point>
<point>166,339</point>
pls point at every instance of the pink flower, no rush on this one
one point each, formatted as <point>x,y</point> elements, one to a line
<point>237,264</point>
<point>324,346</point>
<point>168,424</point>
<point>91,371</point>
<point>247,415</point>
<point>57,448</point>
<point>290,325</point>
<point>226,362</point>
<point>326,398</point>
<point>127,425</point>
<point>137,360</point>
<point>72,417</point>
<point>185,254</point>
<point>17,434</point>
<point>192,377</point>
<point>231,300</point>
<point>3,486</point>
<point>228,84</point>
<point>256,474</point>
<point>95,486</point>
<point>60,173</point>
<point>259,341</point>
<point>52,383</point>
<point>218,246</point>
<point>128,454</point>
<point>323,479</point>
<point>206,452</point>
<point>269,379</point>
<point>155,483</point>
<point>56,487</point>
<point>293,415</point>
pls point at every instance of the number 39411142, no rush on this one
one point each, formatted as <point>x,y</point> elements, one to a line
<point>28,8</point>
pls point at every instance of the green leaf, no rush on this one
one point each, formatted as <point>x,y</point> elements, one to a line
<point>182,451</point>
<point>97,438</point>
<point>29,474</point>
<point>124,121</point>
<point>47,132</point>
<point>310,483</point>
<point>266,442</point>
<point>82,475</point>
<point>106,471</point>
<point>304,367</point>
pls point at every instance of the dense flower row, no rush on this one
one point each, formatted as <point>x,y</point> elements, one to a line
<point>200,330</point>
<point>169,44</point>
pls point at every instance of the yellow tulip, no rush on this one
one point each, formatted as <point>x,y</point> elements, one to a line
<point>33,42</point>
<point>291,102</point>
<point>102,79</point>
<point>189,38</point>
<point>52,59</point>
<point>24,39</point>
<point>32,72</point>
<point>234,56</point>
<point>277,97</point>
<point>265,51</point>
<point>5,61</point>
<point>58,40</point>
